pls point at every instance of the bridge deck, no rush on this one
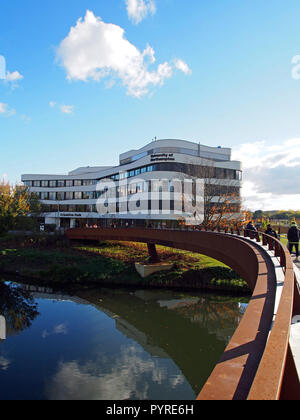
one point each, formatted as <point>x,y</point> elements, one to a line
<point>295,330</point>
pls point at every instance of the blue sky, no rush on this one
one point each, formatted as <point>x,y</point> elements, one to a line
<point>222,75</point>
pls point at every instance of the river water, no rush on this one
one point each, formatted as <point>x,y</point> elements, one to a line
<point>104,344</point>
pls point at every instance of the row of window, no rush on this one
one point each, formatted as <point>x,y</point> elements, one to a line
<point>134,188</point>
<point>119,208</point>
<point>61,183</point>
<point>122,191</point>
<point>192,170</point>
<point>54,208</point>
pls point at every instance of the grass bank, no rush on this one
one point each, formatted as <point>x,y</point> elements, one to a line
<point>54,261</point>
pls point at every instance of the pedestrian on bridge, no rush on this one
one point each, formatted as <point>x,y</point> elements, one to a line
<point>271,232</point>
<point>294,238</point>
<point>250,228</point>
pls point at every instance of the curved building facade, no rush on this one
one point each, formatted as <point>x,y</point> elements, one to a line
<point>163,183</point>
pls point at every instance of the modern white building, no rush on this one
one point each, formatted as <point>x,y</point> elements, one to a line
<point>161,183</point>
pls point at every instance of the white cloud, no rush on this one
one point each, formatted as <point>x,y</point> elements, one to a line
<point>14,76</point>
<point>139,9</point>
<point>6,110</point>
<point>67,109</point>
<point>4,363</point>
<point>94,50</point>
<point>124,378</point>
<point>271,174</point>
<point>25,118</point>
<point>58,329</point>
<point>3,108</point>
<point>182,66</point>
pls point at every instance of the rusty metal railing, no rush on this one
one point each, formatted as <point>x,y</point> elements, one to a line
<point>272,376</point>
<point>257,364</point>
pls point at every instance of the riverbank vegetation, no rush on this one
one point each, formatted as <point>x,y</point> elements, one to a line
<point>16,203</point>
<point>53,260</point>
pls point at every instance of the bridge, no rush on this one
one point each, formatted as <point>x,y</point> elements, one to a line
<point>261,362</point>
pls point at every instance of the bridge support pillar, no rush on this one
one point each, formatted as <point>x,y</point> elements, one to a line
<point>154,258</point>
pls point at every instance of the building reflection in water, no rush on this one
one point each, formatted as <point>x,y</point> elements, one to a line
<point>160,343</point>
<point>18,309</point>
<point>2,328</point>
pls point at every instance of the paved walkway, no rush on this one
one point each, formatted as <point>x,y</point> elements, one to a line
<point>296,263</point>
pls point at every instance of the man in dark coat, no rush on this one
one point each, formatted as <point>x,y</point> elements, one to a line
<point>294,238</point>
<point>271,232</point>
<point>250,228</point>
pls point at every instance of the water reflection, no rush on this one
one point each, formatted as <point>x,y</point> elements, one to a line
<point>17,309</point>
<point>2,328</point>
<point>129,377</point>
<point>116,344</point>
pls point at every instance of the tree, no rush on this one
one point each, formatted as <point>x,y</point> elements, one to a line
<point>222,199</point>
<point>16,204</point>
<point>258,214</point>
<point>18,308</point>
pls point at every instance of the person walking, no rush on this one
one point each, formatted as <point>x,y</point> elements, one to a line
<point>294,238</point>
<point>250,228</point>
<point>271,232</point>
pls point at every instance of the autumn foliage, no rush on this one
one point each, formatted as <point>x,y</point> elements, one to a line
<point>16,204</point>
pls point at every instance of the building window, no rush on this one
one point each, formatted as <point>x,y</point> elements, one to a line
<point>69,196</point>
<point>52,196</point>
<point>139,156</point>
<point>60,196</point>
<point>92,208</point>
<point>78,195</point>
<point>87,182</point>
<point>132,189</point>
<point>77,183</point>
<point>52,184</point>
<point>69,183</point>
<point>45,184</point>
<point>87,195</point>
<point>60,184</point>
<point>238,175</point>
<point>28,183</point>
<point>44,196</point>
<point>81,208</point>
<point>36,183</point>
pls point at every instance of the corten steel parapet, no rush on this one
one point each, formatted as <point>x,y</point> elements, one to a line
<point>255,365</point>
<point>232,251</point>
